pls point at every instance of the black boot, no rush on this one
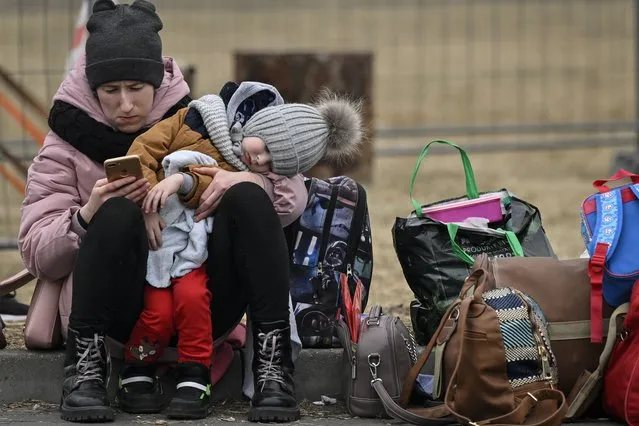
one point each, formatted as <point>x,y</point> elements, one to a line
<point>192,399</point>
<point>139,389</point>
<point>86,371</point>
<point>274,398</point>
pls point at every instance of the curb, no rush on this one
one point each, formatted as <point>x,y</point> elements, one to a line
<point>38,375</point>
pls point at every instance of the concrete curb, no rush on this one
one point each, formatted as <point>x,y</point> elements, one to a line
<point>38,375</point>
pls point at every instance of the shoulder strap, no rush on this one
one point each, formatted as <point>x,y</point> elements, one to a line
<point>608,223</point>
<point>602,246</point>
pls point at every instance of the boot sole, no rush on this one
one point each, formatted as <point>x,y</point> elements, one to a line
<point>187,414</point>
<point>87,414</point>
<point>151,408</point>
<point>274,414</point>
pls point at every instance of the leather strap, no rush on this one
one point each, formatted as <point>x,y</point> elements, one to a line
<point>15,281</point>
<point>518,416</point>
<point>409,382</point>
<point>399,413</point>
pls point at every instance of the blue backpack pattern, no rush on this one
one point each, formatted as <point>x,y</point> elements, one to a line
<point>610,229</point>
<point>332,237</point>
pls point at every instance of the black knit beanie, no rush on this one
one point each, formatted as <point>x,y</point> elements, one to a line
<point>124,43</point>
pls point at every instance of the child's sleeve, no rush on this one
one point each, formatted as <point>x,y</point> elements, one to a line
<point>289,196</point>
<point>155,144</point>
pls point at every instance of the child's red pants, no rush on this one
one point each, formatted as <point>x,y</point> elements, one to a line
<point>184,307</point>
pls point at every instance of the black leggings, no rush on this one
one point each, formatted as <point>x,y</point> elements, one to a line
<point>248,265</point>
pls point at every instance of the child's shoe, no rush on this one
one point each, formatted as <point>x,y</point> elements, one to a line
<point>193,392</point>
<point>139,390</point>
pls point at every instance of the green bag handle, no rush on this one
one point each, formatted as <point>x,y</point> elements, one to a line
<point>513,241</point>
<point>471,186</point>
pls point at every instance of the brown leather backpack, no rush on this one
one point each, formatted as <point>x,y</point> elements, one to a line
<point>479,390</point>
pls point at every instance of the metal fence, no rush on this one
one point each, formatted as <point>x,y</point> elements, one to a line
<point>510,73</point>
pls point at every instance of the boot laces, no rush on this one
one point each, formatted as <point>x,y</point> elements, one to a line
<point>269,358</point>
<point>92,355</point>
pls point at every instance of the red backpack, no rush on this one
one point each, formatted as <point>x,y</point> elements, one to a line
<point>621,380</point>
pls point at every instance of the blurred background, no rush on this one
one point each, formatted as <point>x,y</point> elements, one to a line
<point>541,92</point>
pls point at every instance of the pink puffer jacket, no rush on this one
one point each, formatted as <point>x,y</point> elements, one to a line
<point>59,182</point>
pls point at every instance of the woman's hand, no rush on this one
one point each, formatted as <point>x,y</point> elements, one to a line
<point>156,199</point>
<point>129,187</point>
<point>222,180</point>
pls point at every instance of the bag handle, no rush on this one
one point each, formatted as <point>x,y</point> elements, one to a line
<point>600,184</point>
<point>513,242</point>
<point>471,185</point>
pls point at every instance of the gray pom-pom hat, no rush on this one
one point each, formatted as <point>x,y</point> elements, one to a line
<point>298,136</point>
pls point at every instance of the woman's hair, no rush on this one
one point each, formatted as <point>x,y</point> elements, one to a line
<point>124,44</point>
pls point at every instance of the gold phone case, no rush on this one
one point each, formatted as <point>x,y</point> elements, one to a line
<point>121,167</point>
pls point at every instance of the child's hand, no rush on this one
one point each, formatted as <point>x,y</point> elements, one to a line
<point>156,198</point>
<point>154,226</point>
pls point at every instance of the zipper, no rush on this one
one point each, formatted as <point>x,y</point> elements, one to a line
<point>326,232</point>
<point>353,367</point>
<point>546,365</point>
<point>546,369</point>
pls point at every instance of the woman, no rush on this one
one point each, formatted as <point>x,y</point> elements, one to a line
<point>75,224</point>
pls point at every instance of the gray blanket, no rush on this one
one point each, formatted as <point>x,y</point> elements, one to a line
<point>184,241</point>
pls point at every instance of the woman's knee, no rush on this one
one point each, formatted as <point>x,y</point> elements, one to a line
<point>245,197</point>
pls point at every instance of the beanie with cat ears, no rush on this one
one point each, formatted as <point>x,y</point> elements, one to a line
<point>124,44</point>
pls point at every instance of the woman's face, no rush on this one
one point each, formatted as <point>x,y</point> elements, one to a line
<point>126,104</point>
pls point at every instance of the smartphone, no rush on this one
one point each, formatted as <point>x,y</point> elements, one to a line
<point>121,167</point>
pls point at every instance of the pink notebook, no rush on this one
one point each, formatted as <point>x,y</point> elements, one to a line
<point>487,206</point>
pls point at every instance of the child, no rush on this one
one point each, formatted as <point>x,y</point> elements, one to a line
<point>278,142</point>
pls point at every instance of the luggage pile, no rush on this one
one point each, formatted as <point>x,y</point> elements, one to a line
<point>512,334</point>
